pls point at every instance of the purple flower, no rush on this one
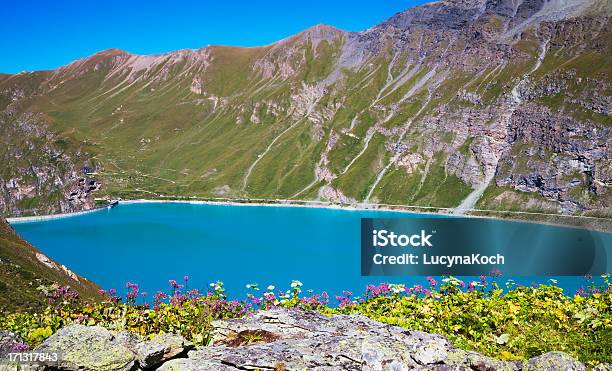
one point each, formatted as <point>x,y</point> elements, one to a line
<point>432,281</point>
<point>173,284</point>
<point>20,347</point>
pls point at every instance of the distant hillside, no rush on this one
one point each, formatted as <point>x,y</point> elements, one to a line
<point>24,271</point>
<point>497,105</point>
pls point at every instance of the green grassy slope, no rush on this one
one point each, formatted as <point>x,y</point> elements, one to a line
<point>24,277</point>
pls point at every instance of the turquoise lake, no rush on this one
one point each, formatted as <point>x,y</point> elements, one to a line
<point>151,243</point>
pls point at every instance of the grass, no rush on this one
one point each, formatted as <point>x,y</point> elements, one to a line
<point>397,187</point>
<point>362,174</point>
<point>439,188</point>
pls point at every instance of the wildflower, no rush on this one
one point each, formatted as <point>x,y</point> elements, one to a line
<point>21,347</point>
<point>397,288</point>
<point>432,281</point>
<point>472,286</point>
<point>295,284</point>
<point>325,297</point>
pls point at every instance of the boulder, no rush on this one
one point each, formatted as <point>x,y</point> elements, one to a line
<point>282,339</point>
<point>295,339</point>
<point>553,361</point>
<point>86,348</point>
<point>470,360</point>
<point>162,347</point>
<point>9,343</point>
<point>184,364</point>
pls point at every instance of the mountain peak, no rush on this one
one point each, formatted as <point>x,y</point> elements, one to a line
<point>321,31</point>
<point>112,52</point>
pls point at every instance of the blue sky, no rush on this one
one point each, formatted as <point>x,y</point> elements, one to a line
<point>44,34</point>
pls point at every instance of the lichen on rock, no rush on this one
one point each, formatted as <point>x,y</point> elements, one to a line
<point>86,348</point>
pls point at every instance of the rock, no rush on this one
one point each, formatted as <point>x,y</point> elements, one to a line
<point>291,339</point>
<point>554,361</point>
<point>9,343</point>
<point>476,361</point>
<point>281,339</point>
<point>164,346</point>
<point>127,339</point>
<point>86,348</point>
<point>603,367</point>
<point>182,364</point>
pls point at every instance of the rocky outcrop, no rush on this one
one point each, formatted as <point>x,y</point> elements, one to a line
<point>39,175</point>
<point>80,347</point>
<point>554,361</point>
<point>293,339</point>
<point>280,339</point>
<point>153,352</point>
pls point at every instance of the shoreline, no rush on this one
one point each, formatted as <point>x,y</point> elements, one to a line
<point>41,218</point>
<point>281,203</point>
<point>254,202</point>
<point>285,203</point>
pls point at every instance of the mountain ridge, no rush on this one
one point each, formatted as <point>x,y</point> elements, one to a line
<point>500,103</point>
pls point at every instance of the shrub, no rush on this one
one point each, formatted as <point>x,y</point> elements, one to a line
<point>513,323</point>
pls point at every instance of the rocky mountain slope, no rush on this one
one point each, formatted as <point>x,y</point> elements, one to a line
<point>277,339</point>
<point>27,276</point>
<point>489,104</point>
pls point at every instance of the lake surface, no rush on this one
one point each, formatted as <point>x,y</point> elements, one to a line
<point>151,243</point>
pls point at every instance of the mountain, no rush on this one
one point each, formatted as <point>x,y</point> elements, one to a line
<point>488,104</point>
<point>25,274</point>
